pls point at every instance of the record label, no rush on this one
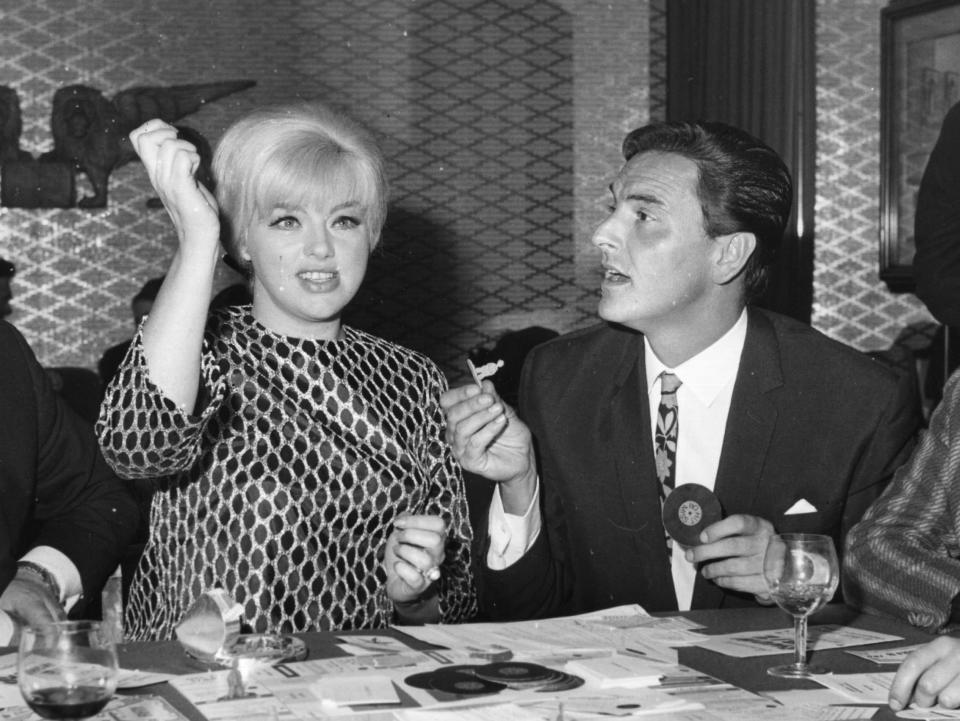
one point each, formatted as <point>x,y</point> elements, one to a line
<point>689,509</point>
<point>462,682</point>
<point>516,672</point>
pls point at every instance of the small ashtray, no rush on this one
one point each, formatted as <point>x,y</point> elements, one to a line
<point>266,648</point>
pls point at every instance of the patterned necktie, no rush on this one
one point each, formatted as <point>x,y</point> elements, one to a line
<point>665,438</point>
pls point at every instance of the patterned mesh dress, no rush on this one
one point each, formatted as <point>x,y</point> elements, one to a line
<point>283,487</point>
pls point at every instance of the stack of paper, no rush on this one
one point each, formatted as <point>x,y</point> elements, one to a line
<point>617,671</point>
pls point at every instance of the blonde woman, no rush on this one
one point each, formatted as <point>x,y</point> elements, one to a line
<point>306,471</point>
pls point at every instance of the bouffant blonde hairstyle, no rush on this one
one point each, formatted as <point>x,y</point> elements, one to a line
<point>292,155</point>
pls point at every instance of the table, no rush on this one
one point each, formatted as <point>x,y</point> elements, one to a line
<point>751,673</point>
<point>748,673</point>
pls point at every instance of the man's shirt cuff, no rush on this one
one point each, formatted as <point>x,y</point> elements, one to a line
<point>62,569</point>
<point>511,536</point>
<point>7,627</point>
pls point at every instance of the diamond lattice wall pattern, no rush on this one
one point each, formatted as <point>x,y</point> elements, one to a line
<point>474,105</point>
<point>850,302</point>
<point>501,121</point>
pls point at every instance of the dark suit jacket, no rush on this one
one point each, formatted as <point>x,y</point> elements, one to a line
<point>937,226</point>
<point>56,488</point>
<point>810,418</point>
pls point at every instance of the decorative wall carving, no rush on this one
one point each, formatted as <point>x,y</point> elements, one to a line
<point>89,136</point>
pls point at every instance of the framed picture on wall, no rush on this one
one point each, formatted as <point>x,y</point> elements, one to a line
<point>920,81</point>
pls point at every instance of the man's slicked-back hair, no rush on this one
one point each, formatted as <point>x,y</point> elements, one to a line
<point>743,184</point>
<point>295,153</point>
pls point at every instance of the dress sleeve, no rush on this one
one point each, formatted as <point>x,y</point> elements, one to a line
<point>142,432</point>
<point>903,558</point>
<point>447,498</point>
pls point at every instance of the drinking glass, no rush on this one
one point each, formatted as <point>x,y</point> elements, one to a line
<point>66,669</point>
<point>801,572</point>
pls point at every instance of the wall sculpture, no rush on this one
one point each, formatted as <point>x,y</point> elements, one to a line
<point>89,136</point>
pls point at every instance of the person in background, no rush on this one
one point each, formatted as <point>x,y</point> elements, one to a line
<point>234,294</point>
<point>140,306</point>
<point>683,382</point>
<point>66,518</point>
<point>936,262</point>
<point>7,271</point>
<point>512,349</point>
<point>305,467</point>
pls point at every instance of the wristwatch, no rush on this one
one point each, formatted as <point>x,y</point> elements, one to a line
<point>37,572</point>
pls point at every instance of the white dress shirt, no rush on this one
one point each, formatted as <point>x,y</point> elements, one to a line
<point>703,403</point>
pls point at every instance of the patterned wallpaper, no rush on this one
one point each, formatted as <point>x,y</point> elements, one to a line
<point>850,302</point>
<point>501,120</point>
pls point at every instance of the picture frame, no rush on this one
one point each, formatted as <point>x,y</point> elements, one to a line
<point>919,82</point>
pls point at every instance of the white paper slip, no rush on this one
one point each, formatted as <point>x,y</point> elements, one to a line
<point>617,670</point>
<point>933,712</point>
<point>770,643</point>
<point>894,656</point>
<point>497,712</point>
<point>821,704</point>
<point>371,644</point>
<point>363,690</point>
<point>870,688</point>
<point>10,695</point>
<point>137,679</point>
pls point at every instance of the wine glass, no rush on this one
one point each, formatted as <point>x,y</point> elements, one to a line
<point>66,669</point>
<point>801,572</point>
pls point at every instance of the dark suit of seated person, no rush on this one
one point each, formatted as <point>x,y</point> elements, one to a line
<point>792,431</point>
<point>66,517</point>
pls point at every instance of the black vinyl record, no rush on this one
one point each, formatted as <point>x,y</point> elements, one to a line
<point>689,509</point>
<point>566,682</point>
<point>462,682</point>
<point>420,680</point>
<point>515,672</point>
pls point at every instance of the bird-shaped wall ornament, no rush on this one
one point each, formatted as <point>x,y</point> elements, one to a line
<point>90,135</point>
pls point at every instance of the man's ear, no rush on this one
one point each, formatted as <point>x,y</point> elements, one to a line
<point>734,250</point>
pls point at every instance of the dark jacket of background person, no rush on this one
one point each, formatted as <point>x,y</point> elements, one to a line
<point>810,418</point>
<point>937,226</point>
<point>57,490</point>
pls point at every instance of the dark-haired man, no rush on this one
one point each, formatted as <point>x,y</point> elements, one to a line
<point>791,430</point>
<point>65,519</point>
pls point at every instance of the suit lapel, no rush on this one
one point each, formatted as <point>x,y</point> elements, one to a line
<point>638,500</point>
<point>623,424</point>
<point>750,425</point>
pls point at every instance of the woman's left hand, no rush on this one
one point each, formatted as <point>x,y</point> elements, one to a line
<point>415,552</point>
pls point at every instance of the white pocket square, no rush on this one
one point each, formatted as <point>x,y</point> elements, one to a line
<point>801,506</point>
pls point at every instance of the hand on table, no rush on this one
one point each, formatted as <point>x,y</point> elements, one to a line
<point>929,675</point>
<point>30,603</point>
<point>488,438</point>
<point>732,554</point>
<point>414,555</point>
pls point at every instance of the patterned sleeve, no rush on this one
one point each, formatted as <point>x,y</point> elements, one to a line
<point>447,498</point>
<point>143,433</point>
<point>903,558</point>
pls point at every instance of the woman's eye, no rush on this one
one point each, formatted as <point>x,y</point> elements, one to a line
<point>285,222</point>
<point>641,215</point>
<point>347,222</point>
